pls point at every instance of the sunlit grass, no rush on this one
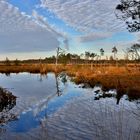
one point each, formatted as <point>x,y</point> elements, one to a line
<point>126,79</point>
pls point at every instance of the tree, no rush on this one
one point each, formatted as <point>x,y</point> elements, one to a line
<point>92,56</point>
<point>101,52</point>
<point>74,58</point>
<point>16,62</point>
<point>114,51</point>
<point>131,54</point>
<point>87,55</point>
<point>81,55</point>
<point>135,48</point>
<point>68,56</point>
<point>7,62</point>
<point>129,11</point>
<point>58,52</point>
<point>111,58</point>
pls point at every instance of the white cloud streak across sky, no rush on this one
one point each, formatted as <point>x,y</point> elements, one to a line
<point>95,18</point>
<point>86,15</point>
<point>85,22</point>
<point>21,33</point>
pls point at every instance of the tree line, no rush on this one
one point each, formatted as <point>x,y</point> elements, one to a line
<point>131,54</point>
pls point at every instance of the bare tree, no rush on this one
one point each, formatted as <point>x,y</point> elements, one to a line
<point>58,52</point>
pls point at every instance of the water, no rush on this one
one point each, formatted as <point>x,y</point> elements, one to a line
<point>53,107</point>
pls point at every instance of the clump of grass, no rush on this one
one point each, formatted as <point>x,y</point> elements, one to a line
<point>7,100</point>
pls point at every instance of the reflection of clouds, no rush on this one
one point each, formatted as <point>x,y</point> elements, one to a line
<point>40,106</point>
<point>43,104</point>
<point>85,118</point>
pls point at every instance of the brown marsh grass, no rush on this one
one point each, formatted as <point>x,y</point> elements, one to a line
<point>126,79</point>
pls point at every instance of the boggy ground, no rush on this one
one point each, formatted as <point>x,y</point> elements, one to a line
<point>126,79</point>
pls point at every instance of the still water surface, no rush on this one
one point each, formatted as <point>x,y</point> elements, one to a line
<point>52,107</point>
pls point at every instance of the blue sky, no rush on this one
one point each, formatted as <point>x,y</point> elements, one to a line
<point>34,28</point>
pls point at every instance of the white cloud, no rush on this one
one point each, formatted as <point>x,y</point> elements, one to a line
<point>94,36</point>
<point>21,33</point>
<point>42,21</point>
<point>86,15</point>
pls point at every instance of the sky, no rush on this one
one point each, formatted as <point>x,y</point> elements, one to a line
<point>32,29</point>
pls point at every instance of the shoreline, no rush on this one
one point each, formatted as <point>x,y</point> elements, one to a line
<point>126,80</point>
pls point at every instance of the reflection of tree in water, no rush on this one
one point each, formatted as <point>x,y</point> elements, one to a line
<point>118,94</point>
<point>103,94</point>
<point>7,74</point>
<point>117,91</point>
<point>7,102</point>
<point>41,77</point>
<point>59,79</point>
<point>62,77</point>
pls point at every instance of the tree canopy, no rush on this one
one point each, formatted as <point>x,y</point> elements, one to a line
<point>129,11</point>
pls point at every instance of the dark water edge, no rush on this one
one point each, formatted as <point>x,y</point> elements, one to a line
<point>53,107</point>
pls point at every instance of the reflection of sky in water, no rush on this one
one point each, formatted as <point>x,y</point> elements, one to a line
<point>37,98</point>
<point>28,121</point>
<point>38,102</point>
